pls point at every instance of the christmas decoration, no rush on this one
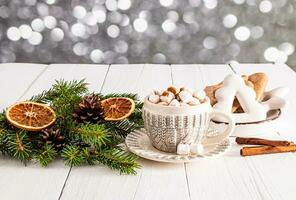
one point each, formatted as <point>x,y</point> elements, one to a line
<point>77,141</point>
<point>30,116</point>
<point>52,136</point>
<point>89,110</point>
<point>116,109</point>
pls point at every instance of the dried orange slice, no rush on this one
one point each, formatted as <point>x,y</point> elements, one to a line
<point>30,116</point>
<point>118,108</point>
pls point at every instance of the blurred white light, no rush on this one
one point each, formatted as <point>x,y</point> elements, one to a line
<point>50,22</point>
<point>188,17</point>
<point>166,3</point>
<point>38,25</point>
<point>239,1</point>
<point>35,39</point>
<point>92,29</point>
<point>90,19</point>
<point>50,1</point>
<point>125,20</point>
<point>42,9</point>
<point>78,29</point>
<point>30,2</point>
<point>194,3</point>
<point>80,49</point>
<point>124,4</point>
<point>257,32</point>
<point>265,6</point>
<point>121,46</point>
<point>25,31</point>
<point>57,34</point>
<point>13,33</point>
<point>287,48</point>
<point>159,58</point>
<point>210,42</point>
<point>140,25</point>
<point>173,15</point>
<point>113,31</point>
<point>97,56</point>
<point>274,55</point>
<point>229,21</point>
<point>168,26</point>
<point>100,15</point>
<point>111,5</point>
<point>210,4</point>
<point>242,33</point>
<point>79,12</point>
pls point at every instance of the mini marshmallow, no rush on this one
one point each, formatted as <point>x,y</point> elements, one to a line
<point>175,103</point>
<point>163,103</point>
<point>173,90</point>
<point>197,149</point>
<point>157,92</point>
<point>154,98</point>
<point>183,149</point>
<point>200,94</point>
<point>167,97</point>
<point>194,102</point>
<point>185,96</point>
<point>186,89</point>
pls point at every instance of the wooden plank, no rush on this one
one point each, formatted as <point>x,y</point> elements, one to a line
<point>276,170</point>
<point>93,74</point>
<point>15,78</point>
<point>34,182</point>
<point>154,180</point>
<point>231,175</point>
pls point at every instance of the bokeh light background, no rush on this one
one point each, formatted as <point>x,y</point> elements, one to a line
<point>147,31</point>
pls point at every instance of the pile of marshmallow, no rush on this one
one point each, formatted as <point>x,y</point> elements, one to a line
<point>177,97</point>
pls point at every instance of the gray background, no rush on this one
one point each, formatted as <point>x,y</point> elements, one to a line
<point>142,31</point>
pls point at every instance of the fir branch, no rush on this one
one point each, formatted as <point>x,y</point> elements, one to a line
<point>61,87</point>
<point>93,134</point>
<point>63,97</point>
<point>117,159</point>
<point>47,155</point>
<point>19,146</point>
<point>72,155</point>
<point>122,128</point>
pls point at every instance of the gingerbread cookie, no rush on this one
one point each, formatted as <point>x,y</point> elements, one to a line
<point>235,86</point>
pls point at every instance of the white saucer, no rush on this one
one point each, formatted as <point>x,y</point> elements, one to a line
<point>139,143</point>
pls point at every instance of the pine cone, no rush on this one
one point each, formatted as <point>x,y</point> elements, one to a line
<point>89,110</point>
<point>52,136</point>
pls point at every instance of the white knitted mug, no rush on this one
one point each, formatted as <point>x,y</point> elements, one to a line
<point>169,126</point>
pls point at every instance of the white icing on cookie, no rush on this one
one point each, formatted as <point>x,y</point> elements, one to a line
<point>234,86</point>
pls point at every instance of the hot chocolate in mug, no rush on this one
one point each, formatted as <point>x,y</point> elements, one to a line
<point>170,126</point>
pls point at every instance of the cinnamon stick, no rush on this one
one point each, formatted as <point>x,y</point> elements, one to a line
<point>260,141</point>
<point>251,151</point>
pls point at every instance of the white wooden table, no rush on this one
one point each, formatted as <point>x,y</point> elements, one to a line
<point>228,177</point>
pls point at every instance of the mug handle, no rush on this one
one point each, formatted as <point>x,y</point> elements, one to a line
<point>227,132</point>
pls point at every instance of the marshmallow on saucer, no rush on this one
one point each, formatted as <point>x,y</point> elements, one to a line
<point>183,149</point>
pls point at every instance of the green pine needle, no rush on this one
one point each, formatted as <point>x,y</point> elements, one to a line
<point>120,160</point>
<point>93,134</point>
<point>47,155</point>
<point>122,128</point>
<point>19,146</point>
<point>72,155</point>
<point>86,143</point>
